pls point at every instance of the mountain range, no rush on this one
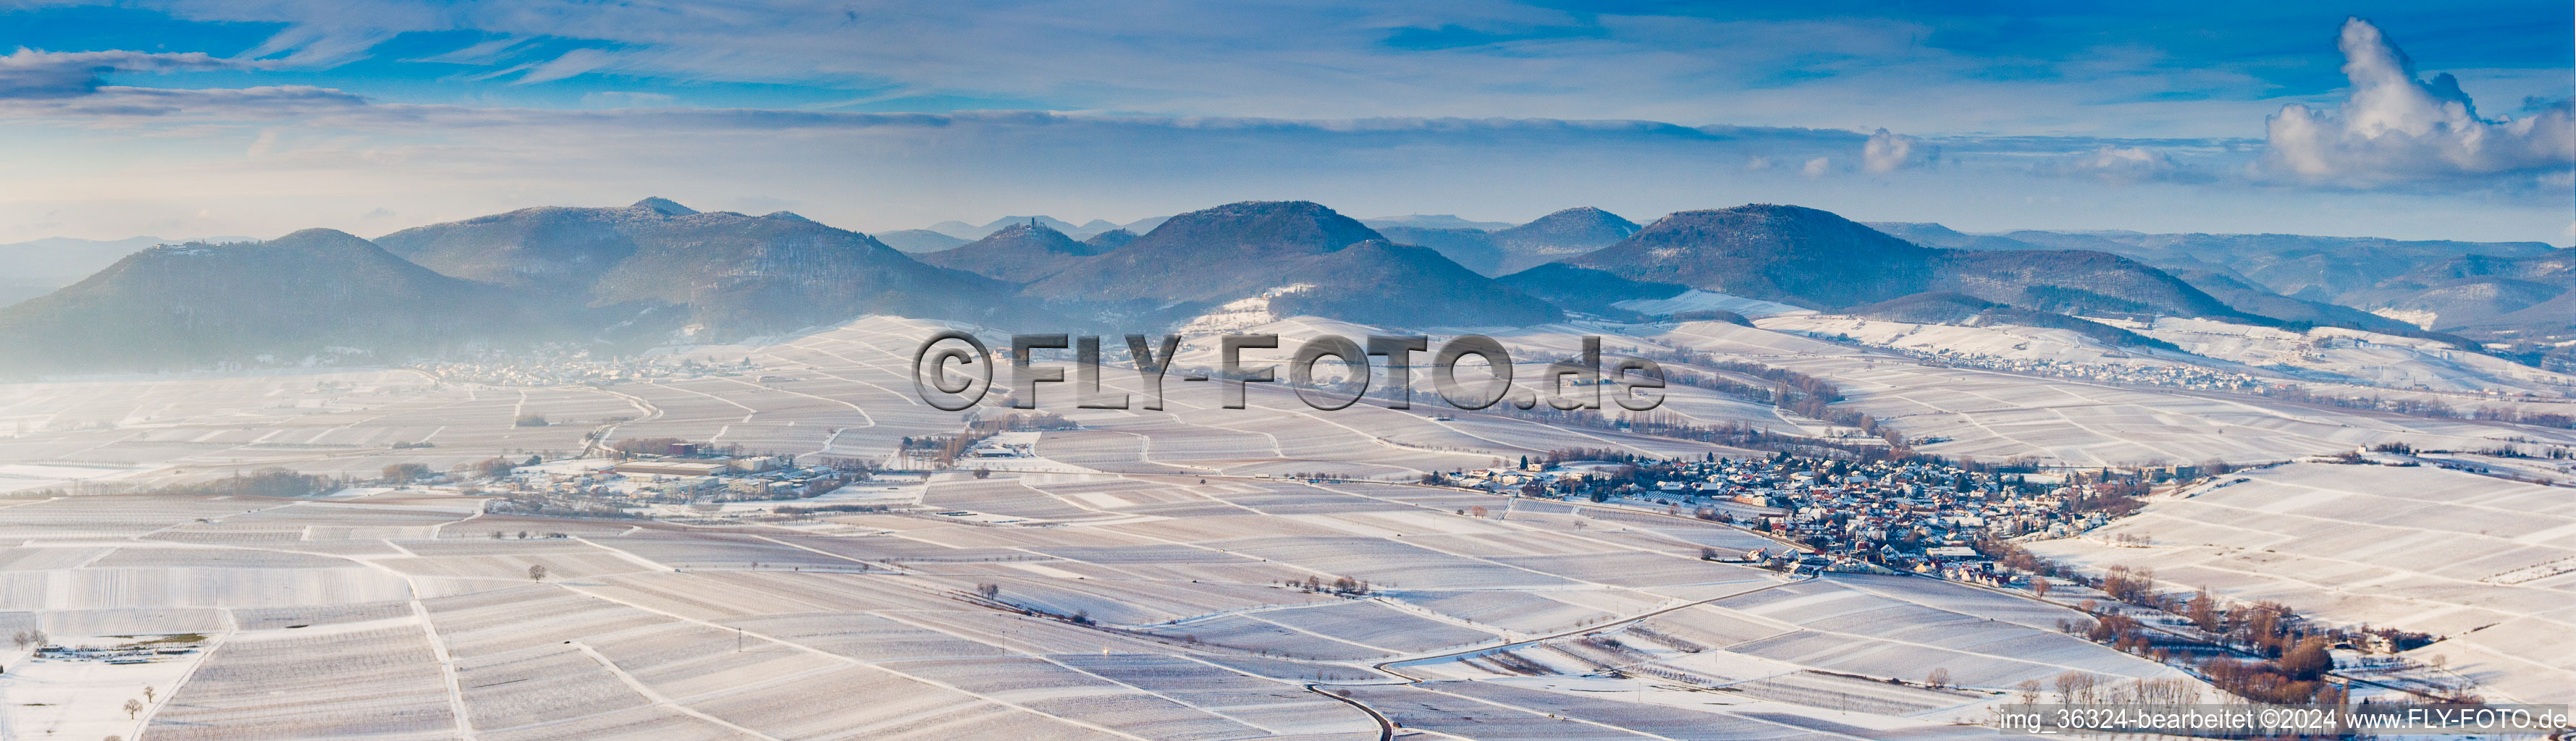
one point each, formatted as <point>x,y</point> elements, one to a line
<point>919,240</point>
<point>38,266</point>
<point>1311,259</point>
<point>707,275</point>
<point>1432,221</point>
<point>1512,249</point>
<point>1811,258</point>
<point>657,272</point>
<point>965,232</point>
<point>316,291</point>
<point>1019,253</point>
<point>2487,291</point>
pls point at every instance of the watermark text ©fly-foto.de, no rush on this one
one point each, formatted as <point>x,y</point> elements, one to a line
<point>953,370</point>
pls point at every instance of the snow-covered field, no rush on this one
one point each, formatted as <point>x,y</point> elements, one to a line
<point>1993,414</point>
<point>1698,300</point>
<point>2370,358</point>
<point>1123,607</point>
<point>1144,564</point>
<point>2486,563</point>
<point>847,391</point>
<point>1999,340</point>
<point>2329,358</point>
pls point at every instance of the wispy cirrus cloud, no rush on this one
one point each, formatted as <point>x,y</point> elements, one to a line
<point>2113,163</point>
<point>30,74</point>
<point>1932,72</point>
<point>1494,107</point>
<point>116,106</point>
<point>572,63</point>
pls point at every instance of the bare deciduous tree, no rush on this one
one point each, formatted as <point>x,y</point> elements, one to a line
<point>1939,678</point>
<point>536,572</point>
<point>132,708</point>
<point>2029,689</point>
<point>2203,610</point>
<point>2071,686</point>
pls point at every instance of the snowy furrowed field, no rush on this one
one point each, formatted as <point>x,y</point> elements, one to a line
<point>848,391</point>
<point>2488,564</point>
<point>1995,414</point>
<point>410,620</point>
<point>1181,573</point>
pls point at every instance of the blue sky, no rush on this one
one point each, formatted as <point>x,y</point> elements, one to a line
<point>211,117</point>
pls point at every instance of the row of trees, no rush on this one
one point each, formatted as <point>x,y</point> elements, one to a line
<point>1796,392</point>
<point>2419,407</point>
<point>943,450</point>
<point>2086,687</point>
<point>668,446</point>
<point>1341,585</point>
<point>2278,657</point>
<point>1666,424</point>
<point>2290,664</point>
<point>494,467</point>
<point>266,482</point>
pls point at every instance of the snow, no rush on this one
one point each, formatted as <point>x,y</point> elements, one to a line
<point>2484,562</point>
<point>1698,300</point>
<point>2367,357</point>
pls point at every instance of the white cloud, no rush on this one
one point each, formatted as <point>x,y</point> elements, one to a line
<point>1887,152</point>
<point>2126,158</point>
<point>484,52</point>
<point>2398,128</point>
<point>2125,164</point>
<point>627,99</point>
<point>329,35</point>
<point>32,74</point>
<point>109,105</point>
<point>332,163</point>
<point>341,154</point>
<point>266,143</point>
<point>1322,59</point>
<point>571,63</point>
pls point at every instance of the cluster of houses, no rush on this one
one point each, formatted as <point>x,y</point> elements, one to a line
<point>1879,517</point>
<point>575,371</point>
<point>2175,375</point>
<point>134,653</point>
<point>676,480</point>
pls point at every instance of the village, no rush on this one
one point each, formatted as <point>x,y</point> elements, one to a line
<point>1923,517</point>
<point>2172,376</point>
<point>631,484</point>
<point>1931,519</point>
<point>577,369</point>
